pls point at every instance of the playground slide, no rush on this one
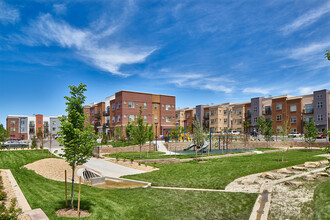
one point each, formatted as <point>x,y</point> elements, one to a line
<point>191,146</point>
<point>203,148</point>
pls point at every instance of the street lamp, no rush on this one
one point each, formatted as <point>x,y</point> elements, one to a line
<point>156,135</point>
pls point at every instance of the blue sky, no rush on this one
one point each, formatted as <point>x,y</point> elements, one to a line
<point>202,52</point>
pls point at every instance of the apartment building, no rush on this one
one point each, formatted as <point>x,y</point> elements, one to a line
<point>293,111</point>
<point>24,127</point>
<point>123,107</point>
<point>185,117</point>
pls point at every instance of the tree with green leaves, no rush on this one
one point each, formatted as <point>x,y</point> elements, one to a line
<point>174,133</point>
<point>327,54</point>
<point>140,131</point>
<point>104,139</point>
<point>268,131</point>
<point>199,136</point>
<point>40,136</point>
<point>327,150</point>
<point>261,124</point>
<point>4,134</point>
<point>151,135</point>
<point>286,127</point>
<point>246,126</point>
<point>77,137</point>
<point>128,130</point>
<point>310,133</point>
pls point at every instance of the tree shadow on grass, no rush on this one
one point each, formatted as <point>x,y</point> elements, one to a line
<point>84,205</point>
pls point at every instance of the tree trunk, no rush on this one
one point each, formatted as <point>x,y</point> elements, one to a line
<point>72,184</point>
<point>140,151</point>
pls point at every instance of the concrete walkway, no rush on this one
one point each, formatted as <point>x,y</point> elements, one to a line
<point>162,148</point>
<point>106,168</point>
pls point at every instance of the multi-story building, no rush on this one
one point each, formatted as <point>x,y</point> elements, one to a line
<point>23,127</point>
<point>185,117</point>
<point>124,107</point>
<point>285,110</point>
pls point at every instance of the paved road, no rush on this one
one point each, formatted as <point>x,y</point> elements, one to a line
<point>106,168</point>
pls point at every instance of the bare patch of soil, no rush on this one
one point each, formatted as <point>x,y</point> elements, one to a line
<point>116,184</point>
<point>134,165</point>
<point>71,213</point>
<point>53,168</point>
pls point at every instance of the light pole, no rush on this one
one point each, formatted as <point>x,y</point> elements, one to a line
<point>156,135</point>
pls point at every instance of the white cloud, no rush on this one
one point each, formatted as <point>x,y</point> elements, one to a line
<point>46,31</point>
<point>8,14</point>
<point>59,9</point>
<point>306,19</point>
<point>308,50</point>
<point>309,89</point>
<point>202,81</point>
<point>257,90</point>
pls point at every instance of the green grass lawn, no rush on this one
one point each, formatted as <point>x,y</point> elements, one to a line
<point>124,203</point>
<point>217,173</point>
<point>322,201</point>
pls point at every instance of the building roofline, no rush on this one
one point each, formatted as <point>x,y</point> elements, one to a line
<point>145,93</point>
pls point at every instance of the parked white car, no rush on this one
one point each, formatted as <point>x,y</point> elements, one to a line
<point>234,132</point>
<point>294,135</point>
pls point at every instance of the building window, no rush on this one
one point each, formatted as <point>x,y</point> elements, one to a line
<point>309,118</point>
<point>124,102</point>
<point>239,121</point>
<point>12,129</point>
<point>125,116</point>
<point>293,108</point>
<point>54,128</point>
<point>278,106</point>
<point>155,106</point>
<point>54,122</point>
<point>155,119</point>
<point>113,106</point>
<point>225,120</point>
<point>172,106</point>
<point>131,104</point>
<point>168,107</point>
<point>293,119</point>
<point>255,109</point>
<point>255,119</point>
<point>145,118</point>
<point>131,118</point>
<point>279,128</point>
<point>145,105</point>
<point>12,122</point>
<point>320,117</point>
<point>163,105</point>
<point>118,118</point>
<point>188,116</point>
<point>319,104</point>
<point>278,117</point>
<point>293,131</point>
<point>176,115</point>
<point>118,105</point>
<point>92,122</point>
<point>212,112</point>
<point>319,96</point>
<point>39,122</point>
<point>225,112</point>
<point>238,112</point>
<point>212,121</point>
<point>168,119</point>
<point>113,119</point>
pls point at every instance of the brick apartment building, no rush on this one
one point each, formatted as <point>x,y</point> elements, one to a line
<point>24,127</point>
<point>124,107</point>
<point>292,110</point>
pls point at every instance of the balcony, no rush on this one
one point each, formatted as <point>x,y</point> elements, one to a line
<point>308,111</point>
<point>105,114</point>
<point>106,125</point>
<point>207,116</point>
<point>97,124</point>
<point>267,112</point>
<point>248,114</point>
<point>97,115</point>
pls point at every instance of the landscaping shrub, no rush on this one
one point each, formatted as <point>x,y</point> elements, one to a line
<point>3,195</point>
<point>11,213</point>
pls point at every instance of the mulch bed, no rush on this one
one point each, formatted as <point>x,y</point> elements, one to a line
<point>67,212</point>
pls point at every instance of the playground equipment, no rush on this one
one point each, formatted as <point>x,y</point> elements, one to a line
<point>190,146</point>
<point>90,177</point>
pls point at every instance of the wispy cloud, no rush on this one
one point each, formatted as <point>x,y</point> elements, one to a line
<point>202,81</point>
<point>256,90</point>
<point>309,89</point>
<point>8,14</point>
<point>306,19</point>
<point>85,43</point>
<point>60,8</point>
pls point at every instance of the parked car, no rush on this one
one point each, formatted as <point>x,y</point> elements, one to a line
<point>321,135</point>
<point>234,132</point>
<point>294,135</point>
<point>11,143</point>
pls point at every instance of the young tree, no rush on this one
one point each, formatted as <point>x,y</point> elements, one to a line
<point>261,124</point>
<point>128,130</point>
<point>310,133</point>
<point>268,131</point>
<point>104,139</point>
<point>246,126</point>
<point>327,54</point>
<point>77,137</point>
<point>4,134</point>
<point>199,135</point>
<point>41,140</point>
<point>151,135</point>
<point>285,130</point>
<point>140,131</point>
<point>174,134</point>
